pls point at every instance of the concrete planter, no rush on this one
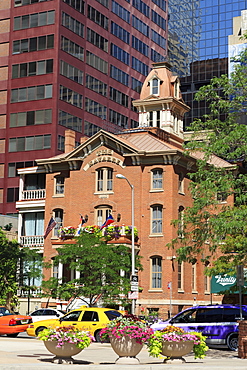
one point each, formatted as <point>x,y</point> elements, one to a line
<point>127,349</point>
<point>64,353</point>
<point>176,350</point>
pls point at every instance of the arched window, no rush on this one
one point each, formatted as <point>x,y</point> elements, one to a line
<point>156,215</point>
<point>156,272</point>
<point>58,216</point>
<point>181,222</point>
<point>155,84</point>
<point>102,213</point>
<point>104,177</point>
<point>157,178</point>
<point>181,183</point>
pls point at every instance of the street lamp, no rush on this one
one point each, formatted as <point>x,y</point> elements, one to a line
<point>120,176</point>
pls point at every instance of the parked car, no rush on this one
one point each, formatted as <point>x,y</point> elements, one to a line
<point>92,319</point>
<point>11,323</point>
<point>217,322</point>
<point>46,314</point>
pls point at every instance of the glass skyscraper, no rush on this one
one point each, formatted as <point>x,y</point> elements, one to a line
<point>198,44</point>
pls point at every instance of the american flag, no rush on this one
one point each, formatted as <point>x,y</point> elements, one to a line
<point>52,223</point>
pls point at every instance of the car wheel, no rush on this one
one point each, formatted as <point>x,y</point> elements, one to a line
<point>98,338</point>
<point>232,342</point>
<point>38,330</point>
<point>12,335</point>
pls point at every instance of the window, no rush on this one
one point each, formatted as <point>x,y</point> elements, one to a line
<point>70,96</point>
<point>154,86</point>
<point>156,272</point>
<point>71,48</point>
<point>221,196</point>
<point>120,32</point>
<point>156,218</point>
<point>72,24</point>
<point>59,185</point>
<point>71,72</point>
<point>13,167</point>
<point>60,143</point>
<point>97,40</point>
<point>136,84</point>
<point>157,179</point>
<point>140,46</point>
<point>97,17</point>
<point>102,213</point>
<point>206,284</point>
<point>95,108</point>
<point>58,216</point>
<point>181,183</point>
<point>33,224</point>
<point>158,39</point>
<point>118,119</point>
<point>134,123</point>
<point>38,117</point>
<point>142,7</point>
<point>76,4</point>
<point>180,276</point>
<point>120,54</point>
<point>97,62</point>
<point>31,93</point>
<point>70,121</point>
<point>34,20</point>
<point>119,97</point>
<point>120,11</point>
<point>96,85</point>
<point>90,129</point>
<point>118,75</point>
<point>103,2</point>
<point>161,4</point>
<point>140,26</point>
<point>193,275</point>
<point>33,44</point>
<point>29,143</point>
<point>104,178</point>
<point>12,195</point>
<point>160,21</point>
<point>157,57</point>
<point>27,2</point>
<point>181,222</point>
<point>139,66</point>
<point>32,68</point>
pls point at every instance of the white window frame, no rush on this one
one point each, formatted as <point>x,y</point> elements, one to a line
<point>101,214</point>
<point>104,180</point>
<point>152,86</point>
<point>180,277</point>
<point>156,273</point>
<point>156,222</point>
<point>159,179</point>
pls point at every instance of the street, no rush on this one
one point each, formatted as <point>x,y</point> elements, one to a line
<point>25,352</point>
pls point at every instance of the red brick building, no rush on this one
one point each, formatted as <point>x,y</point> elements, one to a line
<point>151,157</point>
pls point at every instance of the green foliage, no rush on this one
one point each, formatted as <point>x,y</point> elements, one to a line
<point>99,265</point>
<point>215,226</point>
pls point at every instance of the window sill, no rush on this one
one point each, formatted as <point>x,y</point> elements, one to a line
<point>180,291</point>
<point>155,235</point>
<point>181,193</point>
<point>155,291</point>
<point>103,192</point>
<point>194,292</point>
<point>58,196</point>
<point>156,191</point>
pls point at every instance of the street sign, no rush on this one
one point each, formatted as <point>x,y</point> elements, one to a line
<point>134,279</point>
<point>133,295</point>
<point>134,288</point>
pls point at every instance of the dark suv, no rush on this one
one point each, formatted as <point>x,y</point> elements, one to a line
<point>217,322</point>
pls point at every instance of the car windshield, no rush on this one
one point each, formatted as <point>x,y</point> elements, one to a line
<point>112,314</point>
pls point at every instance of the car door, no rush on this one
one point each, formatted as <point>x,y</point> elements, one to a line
<point>186,320</point>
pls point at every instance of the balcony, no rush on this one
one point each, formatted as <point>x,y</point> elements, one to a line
<point>33,194</point>
<point>36,241</point>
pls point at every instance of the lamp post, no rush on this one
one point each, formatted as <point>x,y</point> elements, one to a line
<point>120,176</point>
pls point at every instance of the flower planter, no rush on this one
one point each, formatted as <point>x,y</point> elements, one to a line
<point>62,354</point>
<point>127,349</point>
<point>175,350</point>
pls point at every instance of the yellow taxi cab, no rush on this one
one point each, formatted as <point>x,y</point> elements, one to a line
<point>92,319</point>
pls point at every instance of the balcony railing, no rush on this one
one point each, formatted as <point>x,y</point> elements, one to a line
<point>32,241</point>
<point>33,194</point>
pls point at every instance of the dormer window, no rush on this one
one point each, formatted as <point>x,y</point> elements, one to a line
<point>155,86</point>
<point>176,88</point>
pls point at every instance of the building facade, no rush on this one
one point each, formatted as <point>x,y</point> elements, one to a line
<point>151,157</point>
<point>70,64</point>
<point>198,44</point>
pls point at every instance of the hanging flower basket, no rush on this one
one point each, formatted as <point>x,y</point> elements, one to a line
<point>67,232</point>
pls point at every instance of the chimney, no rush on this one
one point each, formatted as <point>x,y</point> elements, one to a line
<point>69,144</point>
<point>83,139</point>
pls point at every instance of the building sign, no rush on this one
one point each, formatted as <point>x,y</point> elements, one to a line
<point>104,155</point>
<point>222,283</point>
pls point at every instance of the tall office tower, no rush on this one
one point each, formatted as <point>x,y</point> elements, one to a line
<point>198,44</point>
<point>70,64</point>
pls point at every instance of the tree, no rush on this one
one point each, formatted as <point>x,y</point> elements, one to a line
<point>103,268</point>
<point>12,256</point>
<point>213,230</point>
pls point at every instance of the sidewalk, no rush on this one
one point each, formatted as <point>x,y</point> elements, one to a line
<point>30,354</point>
